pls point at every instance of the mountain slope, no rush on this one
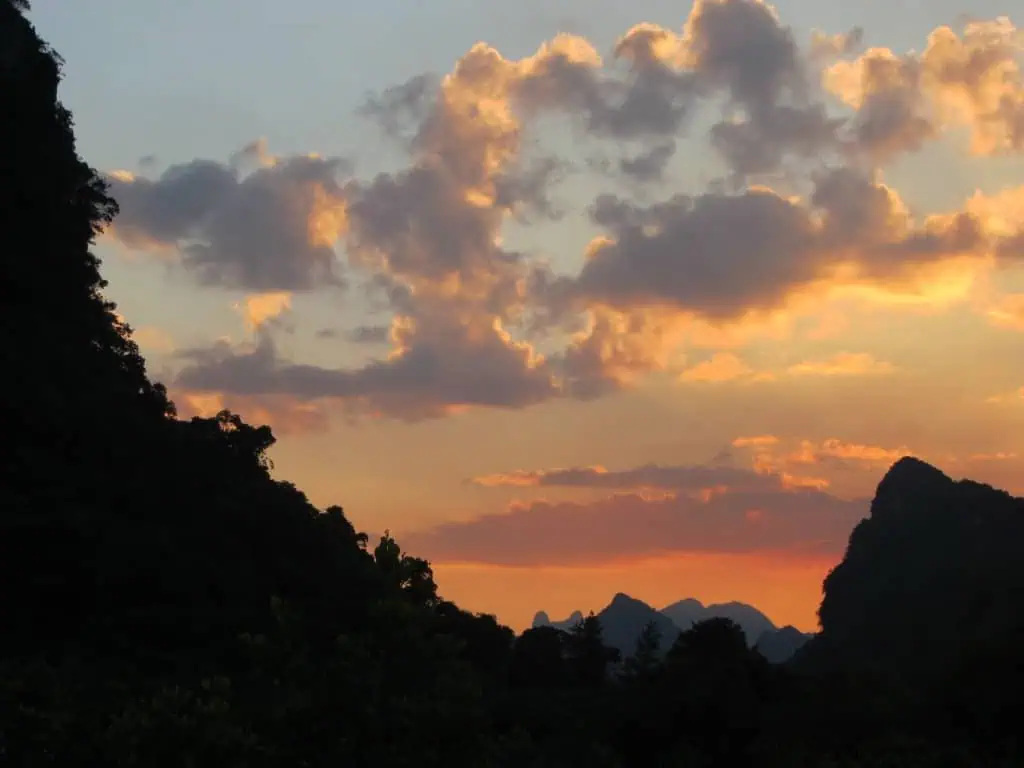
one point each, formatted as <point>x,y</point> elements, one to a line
<point>780,645</point>
<point>625,617</point>
<point>931,592</point>
<point>686,613</point>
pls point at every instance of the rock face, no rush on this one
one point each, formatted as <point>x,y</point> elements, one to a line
<point>931,580</point>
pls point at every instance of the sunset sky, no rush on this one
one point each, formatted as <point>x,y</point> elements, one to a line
<point>575,296</point>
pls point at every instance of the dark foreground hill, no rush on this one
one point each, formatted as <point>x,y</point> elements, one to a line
<point>930,593</point>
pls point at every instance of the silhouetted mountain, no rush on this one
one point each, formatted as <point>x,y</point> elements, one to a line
<point>543,620</point>
<point>624,619</point>
<point>779,645</point>
<point>931,591</point>
<point>688,612</point>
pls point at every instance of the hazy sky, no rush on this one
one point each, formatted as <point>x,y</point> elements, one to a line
<point>575,297</point>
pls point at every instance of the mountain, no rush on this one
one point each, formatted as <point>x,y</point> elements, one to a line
<point>688,612</point>
<point>780,645</point>
<point>543,620</point>
<point>930,592</point>
<point>624,619</point>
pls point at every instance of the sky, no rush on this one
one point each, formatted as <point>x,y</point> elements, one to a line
<point>577,296</point>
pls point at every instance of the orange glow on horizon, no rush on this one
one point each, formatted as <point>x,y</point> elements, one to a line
<point>787,588</point>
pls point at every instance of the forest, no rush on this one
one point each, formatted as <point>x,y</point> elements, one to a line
<point>166,602</point>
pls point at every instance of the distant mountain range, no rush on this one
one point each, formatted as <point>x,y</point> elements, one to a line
<point>625,617</point>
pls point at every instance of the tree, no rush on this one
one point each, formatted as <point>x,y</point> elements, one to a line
<point>412,575</point>
<point>588,657</point>
<point>646,658</point>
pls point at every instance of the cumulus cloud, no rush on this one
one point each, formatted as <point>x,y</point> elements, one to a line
<point>688,254</point>
<point>972,78</point>
<point>270,229</point>
<point>434,369</point>
<point>471,311</point>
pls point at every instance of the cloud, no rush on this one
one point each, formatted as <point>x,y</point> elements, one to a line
<point>264,307</point>
<point>972,78</point>
<point>774,457</point>
<point>843,364</point>
<point>688,255</point>
<point>479,321</point>
<point>153,339</point>
<point>721,367</point>
<point>1008,312</point>
<point>702,480</point>
<point>369,334</point>
<point>1015,397</point>
<point>270,229</point>
<point>625,525</point>
<point>286,416</point>
<point>755,441</point>
<point>435,368</point>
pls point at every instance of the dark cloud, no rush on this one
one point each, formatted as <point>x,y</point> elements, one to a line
<point>630,525</point>
<point>401,108</point>
<point>689,253</point>
<point>268,230</point>
<point>722,255</point>
<point>894,114</point>
<point>441,366</point>
<point>369,334</point>
<point>650,165</point>
<point>739,47</point>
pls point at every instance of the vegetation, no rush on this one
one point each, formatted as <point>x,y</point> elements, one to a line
<point>166,602</point>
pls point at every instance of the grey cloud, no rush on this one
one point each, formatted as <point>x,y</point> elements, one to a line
<point>250,232</point>
<point>420,226</point>
<point>369,334</point>
<point>894,117</point>
<point>403,107</point>
<point>722,255</point>
<point>648,166</point>
<point>740,47</point>
<point>696,257</point>
<point>443,365</point>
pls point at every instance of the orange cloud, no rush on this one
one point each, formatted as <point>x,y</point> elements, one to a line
<point>972,78</point>
<point>723,367</point>
<point>286,416</point>
<point>756,441</point>
<point>259,308</point>
<point>153,339</point>
<point>700,481</point>
<point>843,364</point>
<point>1008,312</point>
